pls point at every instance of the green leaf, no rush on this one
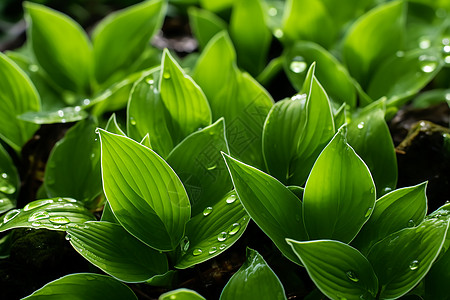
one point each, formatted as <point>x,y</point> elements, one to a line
<point>181,294</point>
<point>339,195</point>
<point>369,135</point>
<point>146,113</point>
<point>108,215</point>
<point>120,39</point>
<point>308,20</point>
<point>9,181</point>
<point>339,270</point>
<point>61,47</point>
<point>18,95</point>
<point>216,5</point>
<point>80,176</point>
<point>145,194</point>
<point>200,166</point>
<point>116,252</point>
<point>273,207</point>
<point>399,209</point>
<point>250,35</point>
<point>410,72</point>
<point>113,127</point>
<point>437,279</point>
<point>205,25</point>
<point>83,286</point>
<point>54,214</point>
<point>254,280</point>
<point>63,115</point>
<point>375,36</point>
<point>184,100</point>
<point>212,231</point>
<point>403,258</point>
<point>328,69</point>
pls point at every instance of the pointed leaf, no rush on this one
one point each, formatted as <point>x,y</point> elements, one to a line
<point>83,286</point>
<point>181,294</point>
<point>53,214</point>
<point>205,25</point>
<point>403,258</point>
<point>9,181</point>
<point>339,194</point>
<point>212,231</point>
<point>62,115</point>
<point>116,252</point>
<point>338,270</point>
<point>61,47</point>
<point>184,100</point>
<point>113,127</point>
<point>276,210</point>
<point>108,215</point>
<point>17,95</point>
<point>145,194</point>
<point>120,39</point>
<point>254,280</point>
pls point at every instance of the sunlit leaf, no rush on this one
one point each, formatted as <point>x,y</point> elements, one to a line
<point>113,127</point>
<point>63,115</point>
<point>181,294</point>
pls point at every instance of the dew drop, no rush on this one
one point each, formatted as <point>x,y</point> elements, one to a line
<point>368,212</point>
<point>197,252</point>
<point>33,68</point>
<point>414,265</point>
<point>36,224</point>
<point>222,236</point>
<point>411,223</point>
<point>278,33</point>
<point>36,204</point>
<point>424,43</point>
<point>207,211</point>
<point>6,187</point>
<point>387,190</point>
<point>39,215</point>
<point>299,97</point>
<point>361,125</point>
<point>298,65</point>
<point>60,113</point>
<point>223,246</point>
<point>400,53</point>
<point>185,244</point>
<point>150,81</point>
<point>77,108</point>
<point>234,229</point>
<point>86,102</point>
<point>60,220</point>
<point>166,75</point>
<point>231,199</point>
<point>10,215</point>
<point>132,121</point>
<point>4,175</point>
<point>352,276</point>
<point>67,237</point>
<point>272,11</point>
<point>212,250</point>
<point>427,63</point>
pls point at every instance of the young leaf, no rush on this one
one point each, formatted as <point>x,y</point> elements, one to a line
<point>61,47</point>
<point>339,195</point>
<point>120,39</point>
<point>116,252</point>
<point>254,280</point>
<point>399,209</point>
<point>86,286</point>
<point>276,210</point>
<point>205,25</point>
<point>146,113</point>
<point>9,181</point>
<point>403,258</point>
<point>184,100</point>
<point>338,270</point>
<point>200,166</point>
<point>181,294</point>
<point>80,176</point>
<point>212,231</point>
<point>372,38</point>
<point>18,95</point>
<point>53,214</point>
<point>145,194</point>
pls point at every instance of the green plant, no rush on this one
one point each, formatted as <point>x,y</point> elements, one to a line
<point>197,148</point>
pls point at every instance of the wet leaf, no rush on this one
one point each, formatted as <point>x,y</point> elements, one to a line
<point>9,181</point>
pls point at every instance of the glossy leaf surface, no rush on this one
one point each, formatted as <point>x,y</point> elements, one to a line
<point>9,181</point>
<point>63,115</point>
<point>181,294</point>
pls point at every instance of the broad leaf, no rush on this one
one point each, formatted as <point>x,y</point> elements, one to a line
<point>83,286</point>
<point>205,25</point>
<point>63,115</point>
<point>145,194</point>
<point>54,214</point>
<point>254,280</point>
<point>61,47</point>
<point>339,195</point>
<point>80,176</point>
<point>403,258</point>
<point>120,39</point>
<point>181,294</point>
<point>17,95</point>
<point>116,252</point>
<point>397,210</point>
<point>375,36</point>
<point>212,231</point>
<point>200,166</point>
<point>273,207</point>
<point>338,270</point>
<point>184,100</point>
<point>9,181</point>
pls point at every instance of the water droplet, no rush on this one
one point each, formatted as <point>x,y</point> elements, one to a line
<point>150,81</point>
<point>368,212</point>
<point>197,252</point>
<point>185,244</point>
<point>4,175</point>
<point>446,49</point>
<point>231,199</point>
<point>10,215</point>
<point>400,53</point>
<point>86,102</point>
<point>223,246</point>
<point>68,237</point>
<point>447,60</point>
<point>352,276</point>
<point>36,224</point>
<point>298,65</point>
<point>299,97</point>
<point>414,265</point>
<point>33,68</point>
<point>212,250</point>
<point>424,43</point>
<point>77,108</point>
<point>63,120</point>
<point>6,187</point>
<point>278,33</point>
<point>234,229</point>
<point>361,125</point>
<point>427,63</point>
<point>166,75</point>
<point>39,215</point>
<point>411,223</point>
<point>60,113</point>
<point>207,211</point>
<point>60,220</point>
<point>132,121</point>
<point>36,204</point>
<point>222,236</point>
<point>272,11</point>
<point>386,190</point>
<point>212,167</point>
